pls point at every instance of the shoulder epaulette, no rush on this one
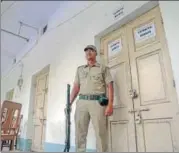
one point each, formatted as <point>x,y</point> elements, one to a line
<point>81,66</point>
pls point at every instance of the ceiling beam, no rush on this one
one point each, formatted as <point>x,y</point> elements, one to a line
<point>15,35</point>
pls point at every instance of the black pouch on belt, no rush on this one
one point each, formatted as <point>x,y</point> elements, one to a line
<point>103,101</point>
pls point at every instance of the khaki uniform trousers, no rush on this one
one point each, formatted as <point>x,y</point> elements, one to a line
<point>86,110</point>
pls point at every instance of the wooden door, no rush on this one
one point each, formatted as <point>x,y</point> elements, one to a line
<point>39,116</point>
<point>114,52</point>
<point>145,104</point>
<point>156,104</point>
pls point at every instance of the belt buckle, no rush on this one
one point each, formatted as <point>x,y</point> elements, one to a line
<point>91,97</point>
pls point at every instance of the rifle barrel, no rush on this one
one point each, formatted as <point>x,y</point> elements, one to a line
<point>67,140</point>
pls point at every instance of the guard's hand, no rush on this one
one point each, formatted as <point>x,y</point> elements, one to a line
<point>109,110</point>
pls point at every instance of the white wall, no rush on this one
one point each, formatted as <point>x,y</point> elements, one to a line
<point>68,10</point>
<point>62,48</point>
<point>170,14</point>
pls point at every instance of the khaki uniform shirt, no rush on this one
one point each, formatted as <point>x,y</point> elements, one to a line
<point>93,80</point>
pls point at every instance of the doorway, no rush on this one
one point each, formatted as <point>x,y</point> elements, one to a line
<point>145,101</point>
<point>40,109</point>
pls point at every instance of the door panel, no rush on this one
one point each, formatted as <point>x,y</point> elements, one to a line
<point>44,119</point>
<point>37,137</point>
<point>151,85</point>
<point>120,79</point>
<point>156,104</point>
<point>161,128</point>
<point>121,143</point>
<point>121,124</point>
<point>43,134</point>
<point>46,98</point>
<point>145,34</point>
<point>113,47</point>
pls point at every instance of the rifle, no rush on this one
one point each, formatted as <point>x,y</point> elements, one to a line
<point>67,114</point>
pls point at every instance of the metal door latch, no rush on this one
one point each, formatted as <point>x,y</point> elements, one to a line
<point>138,117</point>
<point>133,93</point>
<point>144,109</point>
<point>138,110</point>
<point>42,120</point>
<point>132,111</point>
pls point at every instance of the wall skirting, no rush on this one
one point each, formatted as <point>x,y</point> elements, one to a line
<point>24,144</point>
<point>52,147</point>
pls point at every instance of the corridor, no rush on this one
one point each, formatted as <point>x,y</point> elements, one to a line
<point>42,47</point>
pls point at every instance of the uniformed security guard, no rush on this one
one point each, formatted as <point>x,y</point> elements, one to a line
<point>90,82</point>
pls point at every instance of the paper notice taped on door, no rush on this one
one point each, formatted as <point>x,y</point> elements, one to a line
<point>114,47</point>
<point>145,32</point>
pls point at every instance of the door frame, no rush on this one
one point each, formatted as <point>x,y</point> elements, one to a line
<point>44,70</point>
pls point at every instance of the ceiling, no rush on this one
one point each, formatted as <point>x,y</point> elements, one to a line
<point>14,35</point>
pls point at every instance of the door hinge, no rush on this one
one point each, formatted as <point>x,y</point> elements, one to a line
<point>174,85</point>
<point>161,20</point>
<point>133,93</point>
<point>45,90</point>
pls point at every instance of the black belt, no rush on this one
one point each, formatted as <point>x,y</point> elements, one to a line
<point>90,97</point>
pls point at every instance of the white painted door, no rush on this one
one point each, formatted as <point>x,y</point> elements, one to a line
<point>145,104</point>
<point>114,52</point>
<point>39,116</point>
<point>156,123</point>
